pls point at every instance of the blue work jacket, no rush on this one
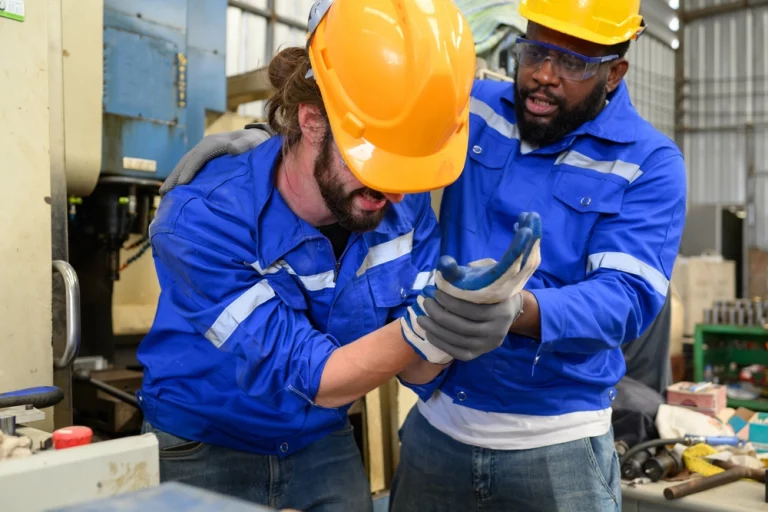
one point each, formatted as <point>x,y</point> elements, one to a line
<point>611,196</point>
<point>253,303</point>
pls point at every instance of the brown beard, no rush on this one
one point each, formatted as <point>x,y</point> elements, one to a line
<point>340,203</point>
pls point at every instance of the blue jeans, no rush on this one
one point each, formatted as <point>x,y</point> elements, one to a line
<point>437,473</point>
<point>326,476</point>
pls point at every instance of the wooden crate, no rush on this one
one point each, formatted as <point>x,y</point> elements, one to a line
<point>701,281</point>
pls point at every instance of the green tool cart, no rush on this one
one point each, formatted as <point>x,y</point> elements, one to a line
<point>721,345</point>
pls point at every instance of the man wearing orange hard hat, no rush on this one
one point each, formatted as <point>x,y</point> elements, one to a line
<point>528,426</point>
<point>296,273</point>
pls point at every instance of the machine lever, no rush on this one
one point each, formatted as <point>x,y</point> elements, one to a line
<point>72,287</point>
<point>38,397</point>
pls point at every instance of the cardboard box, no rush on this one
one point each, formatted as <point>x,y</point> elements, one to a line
<point>700,281</point>
<point>709,401</point>
<point>758,432</point>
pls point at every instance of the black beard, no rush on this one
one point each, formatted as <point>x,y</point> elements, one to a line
<point>340,204</point>
<point>566,121</point>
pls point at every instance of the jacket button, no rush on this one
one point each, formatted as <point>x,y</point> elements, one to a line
<point>477,150</point>
<point>403,293</point>
<point>612,394</point>
<point>585,201</point>
<point>284,447</point>
<point>461,396</point>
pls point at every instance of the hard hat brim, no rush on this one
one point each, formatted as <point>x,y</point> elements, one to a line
<point>398,174</point>
<point>574,30</point>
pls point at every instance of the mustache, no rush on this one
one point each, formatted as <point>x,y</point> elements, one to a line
<point>374,194</point>
<point>524,93</point>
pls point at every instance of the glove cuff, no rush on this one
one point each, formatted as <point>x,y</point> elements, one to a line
<point>421,346</point>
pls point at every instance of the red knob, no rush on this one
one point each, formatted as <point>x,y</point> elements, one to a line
<point>71,436</point>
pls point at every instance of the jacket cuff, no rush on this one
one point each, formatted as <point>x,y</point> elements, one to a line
<point>306,382</point>
<point>551,315</point>
<point>425,391</point>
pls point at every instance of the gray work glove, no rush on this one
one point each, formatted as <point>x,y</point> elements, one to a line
<point>470,310</point>
<point>465,330</point>
<point>212,146</point>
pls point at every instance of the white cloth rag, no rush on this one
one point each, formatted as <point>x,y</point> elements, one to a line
<point>12,447</point>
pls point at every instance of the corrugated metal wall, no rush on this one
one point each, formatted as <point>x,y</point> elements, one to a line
<point>651,82</point>
<point>726,111</point>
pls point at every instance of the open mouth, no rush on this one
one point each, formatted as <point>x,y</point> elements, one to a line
<point>371,200</point>
<point>539,106</point>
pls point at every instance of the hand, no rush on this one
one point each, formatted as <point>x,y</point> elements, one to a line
<point>212,146</point>
<point>473,308</point>
<point>489,282</point>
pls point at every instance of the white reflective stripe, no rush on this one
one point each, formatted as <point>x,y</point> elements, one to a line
<point>498,123</point>
<point>313,283</point>
<point>629,172</point>
<point>493,119</point>
<point>423,279</point>
<point>238,311</point>
<point>386,252</point>
<point>631,265</point>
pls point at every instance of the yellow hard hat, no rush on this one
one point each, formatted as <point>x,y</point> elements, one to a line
<point>605,22</point>
<point>395,77</point>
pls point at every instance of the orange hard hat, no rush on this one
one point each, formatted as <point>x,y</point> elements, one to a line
<point>606,22</point>
<point>395,76</point>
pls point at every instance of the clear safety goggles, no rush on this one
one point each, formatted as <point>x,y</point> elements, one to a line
<point>566,64</point>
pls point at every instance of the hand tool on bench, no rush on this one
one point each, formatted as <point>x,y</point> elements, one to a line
<point>731,474</point>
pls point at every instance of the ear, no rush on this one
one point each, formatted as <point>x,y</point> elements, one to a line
<point>312,124</point>
<point>616,73</point>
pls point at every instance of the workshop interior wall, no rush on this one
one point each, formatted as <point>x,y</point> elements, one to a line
<point>26,358</point>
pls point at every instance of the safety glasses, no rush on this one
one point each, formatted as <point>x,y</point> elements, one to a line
<point>566,64</point>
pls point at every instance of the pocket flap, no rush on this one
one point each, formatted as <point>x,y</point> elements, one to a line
<point>288,290</point>
<point>586,193</point>
<point>390,287</point>
<point>489,152</point>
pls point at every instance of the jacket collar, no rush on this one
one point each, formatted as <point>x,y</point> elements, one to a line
<point>615,123</point>
<point>278,229</point>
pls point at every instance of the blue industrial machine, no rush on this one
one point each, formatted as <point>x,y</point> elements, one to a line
<point>163,76</point>
<point>164,71</point>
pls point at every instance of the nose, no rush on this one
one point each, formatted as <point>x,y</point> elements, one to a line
<point>394,198</point>
<point>545,74</point>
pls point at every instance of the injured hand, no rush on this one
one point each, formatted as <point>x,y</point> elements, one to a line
<point>472,309</point>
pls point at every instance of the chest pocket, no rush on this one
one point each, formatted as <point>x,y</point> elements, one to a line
<point>487,158</point>
<point>390,287</point>
<point>580,201</point>
<point>589,194</point>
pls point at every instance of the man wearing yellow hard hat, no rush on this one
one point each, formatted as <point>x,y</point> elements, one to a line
<point>296,274</point>
<point>528,426</point>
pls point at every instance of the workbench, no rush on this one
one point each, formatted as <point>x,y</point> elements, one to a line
<point>734,497</point>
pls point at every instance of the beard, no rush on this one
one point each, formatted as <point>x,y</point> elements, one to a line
<point>543,133</point>
<point>340,203</point>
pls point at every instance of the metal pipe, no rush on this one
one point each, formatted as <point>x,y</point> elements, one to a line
<point>269,47</point>
<point>85,377</point>
<point>72,287</point>
<point>265,13</point>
